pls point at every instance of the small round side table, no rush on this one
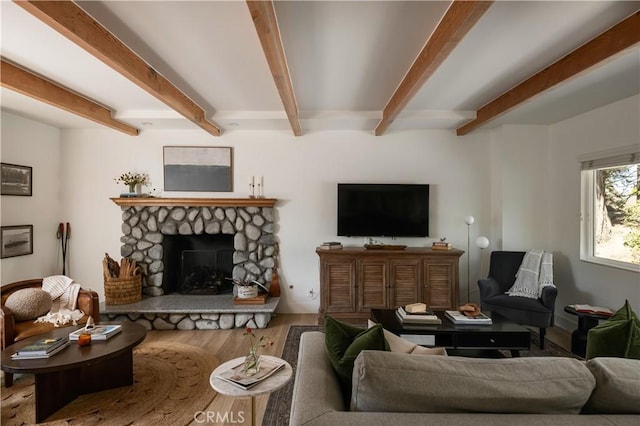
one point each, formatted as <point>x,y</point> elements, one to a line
<point>586,321</point>
<point>270,384</point>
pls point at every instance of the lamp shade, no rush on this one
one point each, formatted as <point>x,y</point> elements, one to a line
<point>469,220</point>
<point>482,242</point>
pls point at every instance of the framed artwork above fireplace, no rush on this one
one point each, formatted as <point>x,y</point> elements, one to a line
<point>198,168</point>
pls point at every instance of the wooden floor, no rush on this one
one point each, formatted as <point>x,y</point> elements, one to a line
<point>229,344</point>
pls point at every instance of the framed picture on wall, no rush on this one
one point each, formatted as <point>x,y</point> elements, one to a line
<point>16,240</point>
<point>198,168</point>
<point>15,180</point>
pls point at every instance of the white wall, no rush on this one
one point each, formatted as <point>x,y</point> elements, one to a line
<point>29,143</point>
<point>301,172</point>
<point>613,126</point>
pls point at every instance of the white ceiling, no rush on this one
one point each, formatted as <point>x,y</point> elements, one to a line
<point>346,58</point>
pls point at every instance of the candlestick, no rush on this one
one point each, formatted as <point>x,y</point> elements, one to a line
<point>252,193</point>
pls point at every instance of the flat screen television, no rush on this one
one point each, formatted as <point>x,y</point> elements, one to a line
<point>383,210</point>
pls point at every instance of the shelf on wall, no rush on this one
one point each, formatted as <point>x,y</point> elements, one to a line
<point>196,202</point>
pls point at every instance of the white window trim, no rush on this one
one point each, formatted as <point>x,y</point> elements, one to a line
<point>586,224</point>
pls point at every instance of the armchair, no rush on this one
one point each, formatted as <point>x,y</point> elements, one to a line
<point>503,267</point>
<point>12,331</point>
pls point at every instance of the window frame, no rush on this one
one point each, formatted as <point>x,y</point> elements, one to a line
<point>587,201</point>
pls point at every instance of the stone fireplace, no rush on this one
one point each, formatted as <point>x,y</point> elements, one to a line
<point>145,229</point>
<point>190,250</point>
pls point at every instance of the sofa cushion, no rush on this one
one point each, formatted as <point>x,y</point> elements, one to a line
<point>343,344</point>
<point>617,337</point>
<point>384,381</point>
<point>617,386</point>
<point>398,344</point>
<point>28,303</point>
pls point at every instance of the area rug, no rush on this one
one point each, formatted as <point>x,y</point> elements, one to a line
<point>279,404</point>
<point>170,385</point>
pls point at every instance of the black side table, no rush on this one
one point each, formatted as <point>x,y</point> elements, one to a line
<point>586,321</point>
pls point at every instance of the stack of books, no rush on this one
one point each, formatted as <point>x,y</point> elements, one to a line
<point>441,245</point>
<point>457,318</point>
<point>236,375</point>
<point>330,245</point>
<point>43,348</point>
<point>423,318</point>
<point>98,332</point>
<point>596,310</point>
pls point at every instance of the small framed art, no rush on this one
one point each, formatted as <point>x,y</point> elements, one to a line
<point>196,168</point>
<point>16,240</point>
<point>15,179</point>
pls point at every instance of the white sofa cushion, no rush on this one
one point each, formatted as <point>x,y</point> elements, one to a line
<point>393,382</point>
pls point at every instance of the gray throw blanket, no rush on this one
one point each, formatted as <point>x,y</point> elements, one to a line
<point>535,273</point>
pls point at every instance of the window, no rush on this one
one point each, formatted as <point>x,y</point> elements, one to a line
<point>610,233</point>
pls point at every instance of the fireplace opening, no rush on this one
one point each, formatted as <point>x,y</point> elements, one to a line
<point>198,264</point>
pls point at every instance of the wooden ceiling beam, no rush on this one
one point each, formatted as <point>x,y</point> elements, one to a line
<point>264,19</point>
<point>455,24</point>
<point>27,83</point>
<point>74,23</point>
<point>612,42</point>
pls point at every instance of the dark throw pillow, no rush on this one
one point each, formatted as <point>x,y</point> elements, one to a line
<point>618,337</point>
<point>344,342</point>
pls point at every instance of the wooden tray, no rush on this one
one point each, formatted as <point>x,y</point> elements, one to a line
<point>384,247</point>
<point>258,300</point>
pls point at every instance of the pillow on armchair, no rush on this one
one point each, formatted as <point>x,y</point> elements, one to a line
<point>28,303</point>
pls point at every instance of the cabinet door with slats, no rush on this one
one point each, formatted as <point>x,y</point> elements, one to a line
<point>372,284</point>
<point>438,292</point>
<point>338,285</point>
<point>405,277</point>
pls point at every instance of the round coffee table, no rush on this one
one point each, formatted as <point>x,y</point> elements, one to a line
<point>270,384</point>
<point>77,370</point>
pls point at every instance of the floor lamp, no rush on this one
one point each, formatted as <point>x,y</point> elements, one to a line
<point>482,243</point>
<point>469,221</point>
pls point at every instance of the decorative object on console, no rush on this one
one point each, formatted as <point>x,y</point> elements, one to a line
<point>198,168</point>
<point>16,240</point>
<point>443,244</point>
<point>330,245</point>
<point>16,180</point>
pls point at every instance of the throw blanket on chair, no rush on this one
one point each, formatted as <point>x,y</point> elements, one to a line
<point>64,293</point>
<point>535,273</point>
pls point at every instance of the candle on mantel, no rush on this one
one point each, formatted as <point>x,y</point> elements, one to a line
<point>252,192</point>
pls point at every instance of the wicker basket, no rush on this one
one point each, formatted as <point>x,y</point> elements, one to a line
<point>122,291</point>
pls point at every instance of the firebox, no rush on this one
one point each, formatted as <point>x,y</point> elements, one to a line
<point>198,264</point>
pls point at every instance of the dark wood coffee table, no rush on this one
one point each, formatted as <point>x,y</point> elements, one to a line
<point>77,370</point>
<point>502,334</point>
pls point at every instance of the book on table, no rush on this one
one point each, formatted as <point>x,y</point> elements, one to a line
<point>425,318</point>
<point>589,309</point>
<point>330,245</point>
<point>47,349</point>
<point>236,375</point>
<point>457,317</point>
<point>98,332</point>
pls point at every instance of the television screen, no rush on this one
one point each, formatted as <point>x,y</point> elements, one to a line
<point>383,210</point>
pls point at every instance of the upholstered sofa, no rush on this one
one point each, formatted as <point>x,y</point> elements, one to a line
<point>395,388</point>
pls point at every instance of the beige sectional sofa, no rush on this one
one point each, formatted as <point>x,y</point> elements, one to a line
<point>395,388</point>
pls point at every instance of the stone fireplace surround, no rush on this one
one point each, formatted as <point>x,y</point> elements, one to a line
<point>145,222</point>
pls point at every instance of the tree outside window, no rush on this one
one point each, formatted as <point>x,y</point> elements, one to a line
<point>616,213</point>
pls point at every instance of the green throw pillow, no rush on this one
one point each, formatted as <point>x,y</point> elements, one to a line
<point>344,342</point>
<point>618,337</point>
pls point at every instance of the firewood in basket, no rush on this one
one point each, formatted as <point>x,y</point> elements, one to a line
<point>112,266</point>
